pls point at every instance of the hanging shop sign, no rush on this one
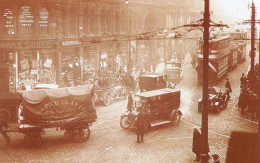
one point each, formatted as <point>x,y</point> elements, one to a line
<point>23,44</point>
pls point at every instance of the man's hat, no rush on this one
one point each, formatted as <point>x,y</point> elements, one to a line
<point>215,156</point>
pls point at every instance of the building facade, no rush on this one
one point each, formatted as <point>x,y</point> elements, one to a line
<point>67,41</point>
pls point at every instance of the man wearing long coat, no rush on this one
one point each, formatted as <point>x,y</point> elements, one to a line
<point>141,122</point>
<point>196,144</point>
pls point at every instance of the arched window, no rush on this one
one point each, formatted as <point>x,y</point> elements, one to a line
<point>73,20</point>
<point>26,19</point>
<point>108,22</point>
<point>102,19</point>
<point>117,21</point>
<point>86,22</point>
<point>7,23</point>
<point>43,20</point>
<point>92,22</point>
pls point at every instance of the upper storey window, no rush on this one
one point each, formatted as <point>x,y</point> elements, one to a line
<point>43,20</point>
<point>26,19</point>
<point>8,21</point>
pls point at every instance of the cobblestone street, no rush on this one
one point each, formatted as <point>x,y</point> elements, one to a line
<point>108,142</point>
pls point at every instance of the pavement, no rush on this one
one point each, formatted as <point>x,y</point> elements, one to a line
<point>109,143</point>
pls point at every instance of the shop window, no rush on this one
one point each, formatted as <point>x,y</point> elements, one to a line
<point>7,22</point>
<point>26,19</point>
<point>43,20</point>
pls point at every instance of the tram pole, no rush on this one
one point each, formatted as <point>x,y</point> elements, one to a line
<point>253,37</point>
<point>204,130</point>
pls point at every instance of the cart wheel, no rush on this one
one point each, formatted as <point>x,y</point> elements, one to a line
<point>5,114</point>
<point>175,117</point>
<point>107,99</point>
<point>124,122</point>
<point>82,133</point>
<point>94,98</point>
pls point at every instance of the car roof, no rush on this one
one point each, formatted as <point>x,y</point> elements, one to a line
<point>156,92</point>
<point>46,86</point>
<point>152,76</point>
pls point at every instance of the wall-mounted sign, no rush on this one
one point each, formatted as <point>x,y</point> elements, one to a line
<point>66,43</point>
<point>27,44</point>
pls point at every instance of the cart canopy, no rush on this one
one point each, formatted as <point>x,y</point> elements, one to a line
<point>57,106</point>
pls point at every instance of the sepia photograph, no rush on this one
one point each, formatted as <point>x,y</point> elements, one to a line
<point>129,81</point>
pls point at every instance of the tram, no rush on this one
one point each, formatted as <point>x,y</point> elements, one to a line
<point>226,51</point>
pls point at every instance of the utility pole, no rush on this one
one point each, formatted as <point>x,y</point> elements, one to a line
<point>205,24</point>
<point>204,128</point>
<point>253,37</point>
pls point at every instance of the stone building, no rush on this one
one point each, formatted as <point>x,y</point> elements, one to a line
<point>67,41</point>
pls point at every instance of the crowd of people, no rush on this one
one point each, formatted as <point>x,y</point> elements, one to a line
<point>250,91</point>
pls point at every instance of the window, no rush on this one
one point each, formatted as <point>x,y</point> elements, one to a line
<point>8,21</point>
<point>73,20</point>
<point>26,19</point>
<point>86,18</point>
<point>43,20</point>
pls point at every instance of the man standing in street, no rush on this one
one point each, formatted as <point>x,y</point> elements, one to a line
<point>140,126</point>
<point>196,143</point>
<point>228,87</point>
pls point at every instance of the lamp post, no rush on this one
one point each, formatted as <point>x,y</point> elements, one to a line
<point>129,65</point>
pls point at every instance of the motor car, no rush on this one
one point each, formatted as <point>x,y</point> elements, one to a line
<point>152,82</point>
<point>217,99</point>
<point>107,94</point>
<point>160,106</point>
<point>173,71</point>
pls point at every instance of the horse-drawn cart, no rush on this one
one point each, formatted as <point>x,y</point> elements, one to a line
<point>69,109</point>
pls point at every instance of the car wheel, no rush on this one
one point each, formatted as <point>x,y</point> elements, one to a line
<point>175,117</point>
<point>107,99</point>
<point>124,122</point>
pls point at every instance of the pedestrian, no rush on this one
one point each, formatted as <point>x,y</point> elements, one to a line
<point>141,122</point>
<point>228,87</point>
<point>215,158</point>
<point>196,143</point>
<point>243,79</point>
<point>130,103</point>
<point>23,86</point>
<point>242,102</point>
<point>3,124</point>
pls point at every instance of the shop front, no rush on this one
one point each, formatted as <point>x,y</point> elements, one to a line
<point>26,61</point>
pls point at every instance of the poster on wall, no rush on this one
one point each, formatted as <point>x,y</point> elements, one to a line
<point>34,72</point>
<point>35,64</point>
<point>24,64</point>
<point>48,63</point>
